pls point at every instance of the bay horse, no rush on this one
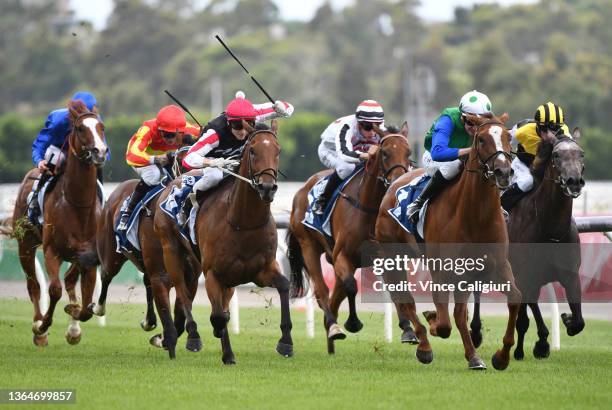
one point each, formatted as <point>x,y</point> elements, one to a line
<point>352,220</point>
<point>466,212</point>
<point>544,216</point>
<point>149,261</point>
<point>71,210</point>
<point>236,241</point>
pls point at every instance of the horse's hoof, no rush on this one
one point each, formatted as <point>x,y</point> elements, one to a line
<point>476,363</point>
<point>95,309</point>
<point>73,339</point>
<point>476,338</point>
<point>519,354</point>
<point>335,332</point>
<point>284,349</point>
<point>146,326</point>
<point>194,344</point>
<point>157,341</point>
<point>572,326</point>
<point>541,349</point>
<point>228,359</point>
<point>409,337</point>
<point>40,340</point>
<point>72,309</point>
<point>36,328</point>
<point>499,364</point>
<point>424,356</point>
<point>353,325</point>
<point>430,315</point>
<point>172,353</point>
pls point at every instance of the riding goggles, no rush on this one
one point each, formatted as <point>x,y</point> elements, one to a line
<point>237,124</point>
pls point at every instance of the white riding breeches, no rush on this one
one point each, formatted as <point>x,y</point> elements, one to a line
<point>522,175</point>
<point>331,159</point>
<point>150,174</point>
<point>448,169</point>
<point>211,177</point>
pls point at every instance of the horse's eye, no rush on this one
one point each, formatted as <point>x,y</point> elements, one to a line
<point>481,141</point>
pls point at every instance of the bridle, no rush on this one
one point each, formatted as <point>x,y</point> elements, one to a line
<point>383,174</point>
<point>86,154</point>
<point>483,164</point>
<point>558,179</point>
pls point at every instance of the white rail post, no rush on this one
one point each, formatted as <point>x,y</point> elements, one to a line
<point>96,295</point>
<point>388,321</point>
<point>235,313</point>
<point>43,302</point>
<point>309,308</point>
<point>556,323</point>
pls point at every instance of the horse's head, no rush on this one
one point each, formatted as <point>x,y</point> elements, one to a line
<point>491,146</point>
<point>391,157</point>
<point>565,160</point>
<point>87,137</point>
<point>260,160</point>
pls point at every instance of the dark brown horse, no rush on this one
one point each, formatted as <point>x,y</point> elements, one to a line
<point>149,260</point>
<point>544,216</point>
<point>237,240</point>
<point>71,211</point>
<point>353,220</point>
<point>466,212</point>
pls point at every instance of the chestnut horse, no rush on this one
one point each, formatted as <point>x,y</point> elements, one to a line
<point>352,222</point>
<point>543,216</point>
<point>71,211</point>
<point>237,241</point>
<point>149,261</point>
<point>466,212</point>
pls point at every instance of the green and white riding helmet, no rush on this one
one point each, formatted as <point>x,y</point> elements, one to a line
<point>475,102</point>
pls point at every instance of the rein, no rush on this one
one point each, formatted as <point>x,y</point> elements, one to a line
<point>483,165</point>
<point>86,154</point>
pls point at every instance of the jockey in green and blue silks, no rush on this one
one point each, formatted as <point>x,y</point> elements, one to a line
<point>56,130</point>
<point>449,138</point>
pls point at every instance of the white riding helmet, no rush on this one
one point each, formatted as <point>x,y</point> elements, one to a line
<point>475,102</point>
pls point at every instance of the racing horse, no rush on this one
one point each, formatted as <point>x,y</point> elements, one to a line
<point>352,220</point>
<point>466,212</point>
<point>236,241</point>
<point>544,216</point>
<point>149,260</point>
<point>71,211</point>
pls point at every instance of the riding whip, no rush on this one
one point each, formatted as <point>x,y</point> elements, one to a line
<point>244,68</point>
<point>183,107</point>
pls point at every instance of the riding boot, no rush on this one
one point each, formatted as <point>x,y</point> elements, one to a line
<point>33,205</point>
<point>139,192</point>
<point>433,187</point>
<point>511,196</point>
<point>321,203</point>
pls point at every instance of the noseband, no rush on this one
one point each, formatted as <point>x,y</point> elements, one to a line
<point>558,179</point>
<point>483,165</point>
<point>86,155</point>
<point>383,176</point>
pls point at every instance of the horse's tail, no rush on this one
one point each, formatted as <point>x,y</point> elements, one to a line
<point>296,262</point>
<point>6,226</point>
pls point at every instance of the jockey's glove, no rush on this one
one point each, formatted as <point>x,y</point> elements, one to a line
<point>161,160</point>
<point>223,162</point>
<point>279,108</point>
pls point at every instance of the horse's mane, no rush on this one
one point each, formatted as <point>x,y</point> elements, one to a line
<point>393,129</point>
<point>545,149</point>
<point>262,126</point>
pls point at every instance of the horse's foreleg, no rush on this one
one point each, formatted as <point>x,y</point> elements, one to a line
<point>541,350</point>
<point>218,317</point>
<point>501,358</point>
<point>110,267</point>
<point>522,325</point>
<point>405,308</point>
<point>439,321</point>
<point>194,341</point>
<point>476,323</point>
<point>150,320</point>
<point>273,277</point>
<point>345,275</point>
<point>574,322</point>
<point>461,316</point>
<point>71,277</point>
<point>408,312</point>
<point>27,255</point>
<point>162,302</point>
<point>52,263</point>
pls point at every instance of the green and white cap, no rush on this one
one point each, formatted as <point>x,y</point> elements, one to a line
<point>475,102</point>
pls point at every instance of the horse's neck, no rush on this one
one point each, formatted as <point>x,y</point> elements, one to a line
<point>479,199</point>
<point>371,189</point>
<point>246,208</point>
<point>79,186</point>
<point>553,207</point>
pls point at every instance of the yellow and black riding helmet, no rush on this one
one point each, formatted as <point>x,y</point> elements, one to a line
<point>549,117</point>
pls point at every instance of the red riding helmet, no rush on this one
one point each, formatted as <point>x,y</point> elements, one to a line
<point>171,119</point>
<point>240,109</point>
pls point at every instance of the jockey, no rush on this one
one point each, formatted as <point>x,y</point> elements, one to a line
<point>449,138</point>
<point>148,150</point>
<point>548,117</point>
<point>49,148</point>
<point>345,143</point>
<point>222,138</point>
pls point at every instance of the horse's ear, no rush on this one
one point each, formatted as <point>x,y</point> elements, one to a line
<point>73,110</point>
<point>405,129</point>
<point>549,136</point>
<point>274,126</point>
<point>247,127</point>
<point>504,118</point>
<point>377,130</point>
<point>576,134</point>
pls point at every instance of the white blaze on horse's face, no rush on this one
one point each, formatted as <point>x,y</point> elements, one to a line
<point>496,132</point>
<point>91,123</point>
